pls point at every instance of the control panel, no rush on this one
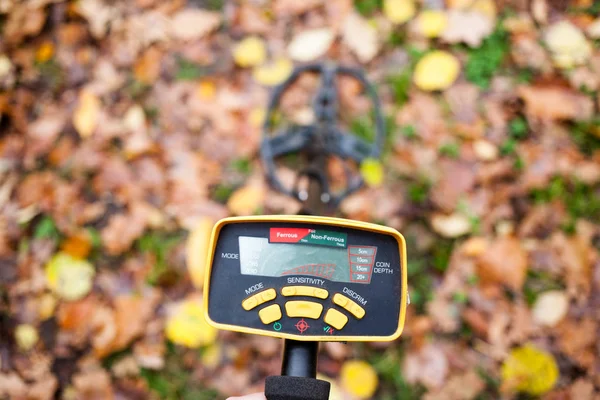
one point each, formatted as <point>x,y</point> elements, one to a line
<point>306,278</point>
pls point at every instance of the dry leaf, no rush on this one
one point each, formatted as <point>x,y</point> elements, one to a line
<point>187,326</point>
<point>246,200</point>
<point>550,307</point>
<point>485,151</point>
<point>26,336</point>
<point>360,37</point>
<point>399,11</point>
<point>505,261</point>
<point>568,45</point>
<point>250,52</point>
<point>359,379</point>
<point>427,365</point>
<point>87,113</point>
<point>197,250</point>
<point>463,386</point>
<point>194,24</point>
<point>273,73</point>
<point>310,45</point>
<point>69,277</point>
<point>372,172</point>
<point>469,27</point>
<point>147,67</point>
<point>431,23</point>
<point>556,103</point>
<point>451,226</point>
<point>529,369</point>
<point>436,71</point>
<point>593,30</point>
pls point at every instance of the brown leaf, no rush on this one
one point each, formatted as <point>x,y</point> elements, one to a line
<point>465,386</point>
<point>123,229</point>
<point>360,37</point>
<point>194,24</point>
<point>147,67</point>
<point>458,178</point>
<point>504,262</point>
<point>556,103</point>
<point>470,27</point>
<point>427,366</point>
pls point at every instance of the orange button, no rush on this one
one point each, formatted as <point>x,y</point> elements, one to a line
<point>304,291</point>
<point>335,318</point>
<point>270,314</point>
<point>307,309</point>
<point>349,305</point>
<point>258,299</point>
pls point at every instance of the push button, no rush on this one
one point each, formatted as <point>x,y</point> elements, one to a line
<point>304,291</point>
<point>306,309</point>
<point>258,299</point>
<point>335,318</point>
<point>349,305</point>
<point>270,314</point>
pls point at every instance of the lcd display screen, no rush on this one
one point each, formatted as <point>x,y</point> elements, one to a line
<point>319,254</point>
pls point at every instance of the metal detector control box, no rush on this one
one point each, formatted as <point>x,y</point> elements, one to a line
<point>306,278</point>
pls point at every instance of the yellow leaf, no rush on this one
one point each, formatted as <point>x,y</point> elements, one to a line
<point>399,11</point>
<point>359,379</point>
<point>147,67</point>
<point>212,355</point>
<point>273,73</point>
<point>187,327</point>
<point>46,306</point>
<point>568,45</point>
<point>44,52</point>
<point>69,277</point>
<point>372,172</point>
<point>486,7</point>
<point>197,251</point>
<point>206,90</point>
<point>530,370</point>
<point>26,336</point>
<point>250,52</point>
<point>431,23</point>
<point>310,45</point>
<point>246,200</point>
<point>257,117</point>
<point>436,71</point>
<point>87,113</point>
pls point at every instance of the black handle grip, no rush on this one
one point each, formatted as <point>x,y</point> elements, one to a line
<point>296,388</point>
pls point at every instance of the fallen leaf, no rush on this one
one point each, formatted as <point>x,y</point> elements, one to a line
<point>310,45</point>
<point>273,73</point>
<point>87,113</point>
<point>147,67</point>
<point>553,103</point>
<point>359,379</point>
<point>550,308</point>
<point>197,250</point>
<point>194,24</point>
<point>45,52</point>
<point>360,37</point>
<point>26,336</point>
<point>372,172</point>
<point>505,262</point>
<point>436,71</point>
<point>246,200</point>
<point>250,52</point>
<point>69,277</point>
<point>399,11</point>
<point>77,246</point>
<point>187,326</point>
<point>593,30</point>
<point>464,386</point>
<point>470,27</point>
<point>427,366</point>
<point>451,226</point>
<point>206,90</point>
<point>530,370</point>
<point>5,65</point>
<point>431,23</point>
<point>486,7</point>
<point>568,45</point>
<point>485,150</point>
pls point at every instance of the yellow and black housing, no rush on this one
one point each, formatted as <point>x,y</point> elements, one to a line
<point>306,278</point>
